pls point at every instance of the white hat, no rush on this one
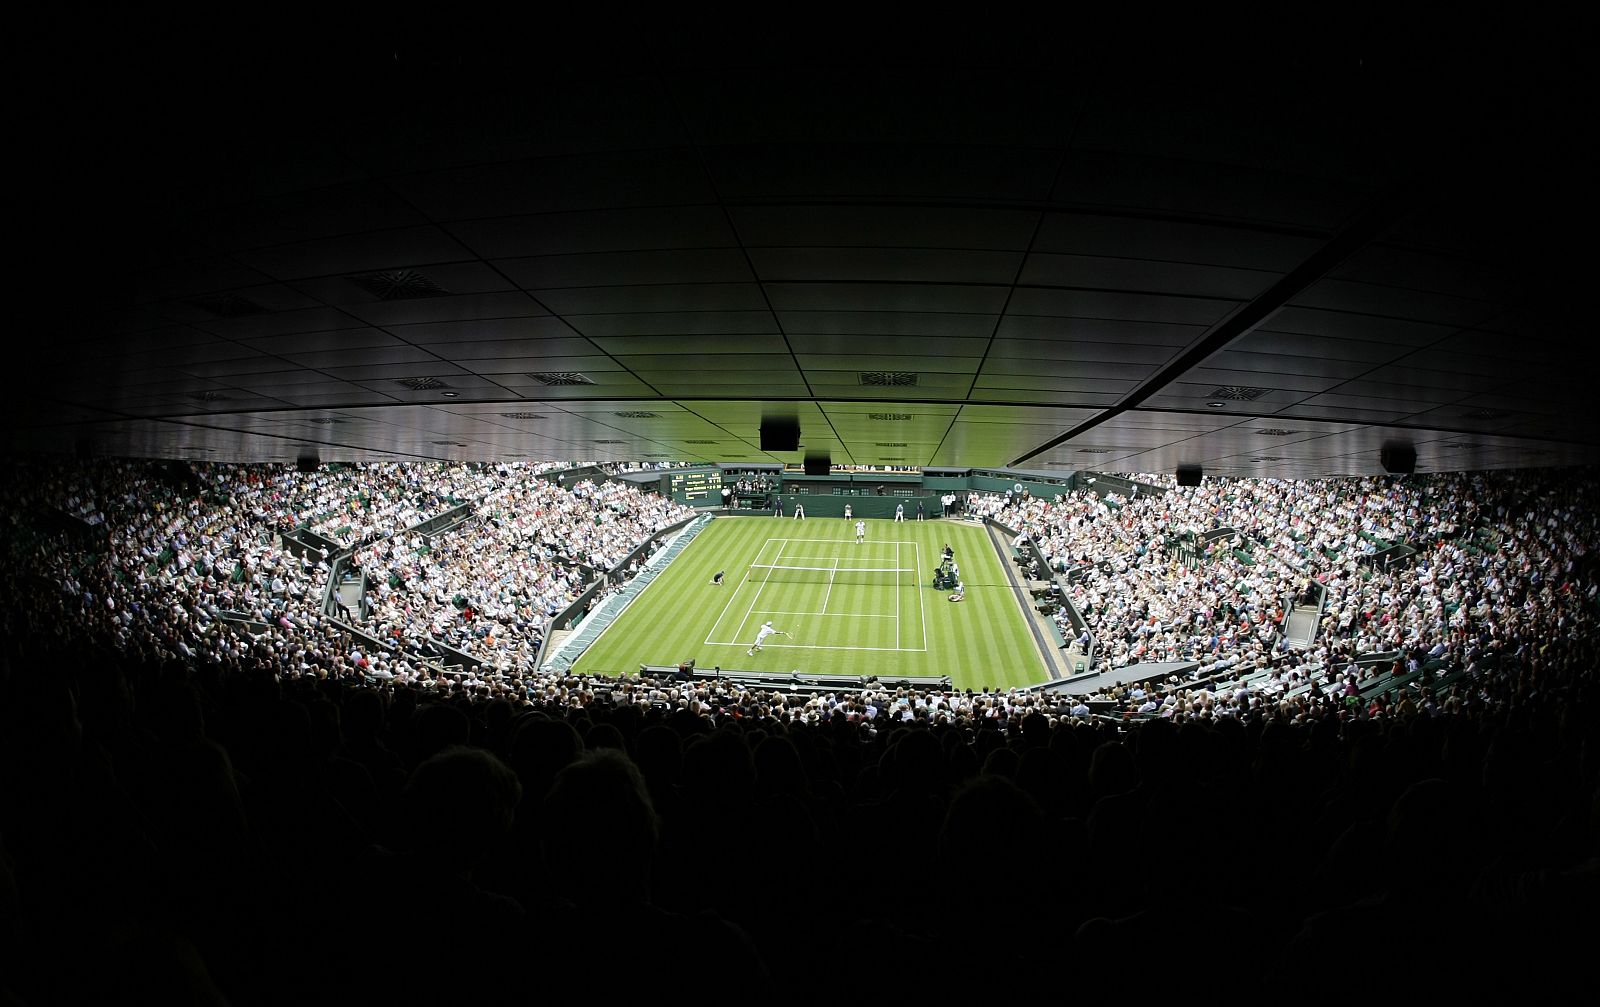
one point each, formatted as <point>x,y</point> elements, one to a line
<point>769,622</point>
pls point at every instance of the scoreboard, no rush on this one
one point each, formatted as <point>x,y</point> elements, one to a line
<point>695,486</point>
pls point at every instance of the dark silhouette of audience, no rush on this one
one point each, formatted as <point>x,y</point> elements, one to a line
<point>177,830</point>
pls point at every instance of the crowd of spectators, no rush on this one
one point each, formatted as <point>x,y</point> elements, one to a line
<point>197,568</point>
<point>488,587</point>
<point>1446,570</point>
<point>261,821</point>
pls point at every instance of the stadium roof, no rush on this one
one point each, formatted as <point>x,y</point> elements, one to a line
<point>1050,256</point>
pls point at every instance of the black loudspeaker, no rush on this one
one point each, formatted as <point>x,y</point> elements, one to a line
<point>780,435</point>
<point>818,465</point>
<point>1398,459</point>
<point>1188,475</point>
<point>306,462</point>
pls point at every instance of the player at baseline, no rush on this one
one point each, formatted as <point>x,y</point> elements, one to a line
<point>765,631</point>
<point>861,532</point>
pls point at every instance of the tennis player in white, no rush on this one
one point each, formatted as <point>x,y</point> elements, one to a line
<point>861,532</point>
<point>765,631</point>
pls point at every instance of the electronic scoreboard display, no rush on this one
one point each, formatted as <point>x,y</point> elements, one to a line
<point>696,486</point>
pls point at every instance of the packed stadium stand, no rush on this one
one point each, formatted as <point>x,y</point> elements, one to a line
<point>363,375</point>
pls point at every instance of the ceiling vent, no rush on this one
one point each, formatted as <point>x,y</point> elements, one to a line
<point>699,442</point>
<point>1269,458</point>
<point>209,397</point>
<point>1094,451</point>
<point>1486,414</point>
<point>889,417</point>
<point>610,442</point>
<point>228,305</point>
<point>1274,432</point>
<point>450,444</point>
<point>889,444</point>
<point>636,414</point>
<point>888,379</point>
<point>422,384</point>
<point>397,285</point>
<point>560,378</point>
<point>326,421</point>
<point>523,416</point>
<point>1237,393</point>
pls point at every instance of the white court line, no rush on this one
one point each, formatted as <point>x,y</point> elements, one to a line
<point>818,646</point>
<point>897,599</point>
<point>760,589</point>
<point>732,597</point>
<point>922,606</point>
<point>662,575</point>
<point>836,615</point>
<point>831,575</point>
<point>829,541</point>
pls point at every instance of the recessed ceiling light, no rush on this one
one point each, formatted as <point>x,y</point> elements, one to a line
<point>450,395</point>
<point>1216,405</point>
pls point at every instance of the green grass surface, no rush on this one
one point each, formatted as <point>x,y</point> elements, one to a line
<point>843,619</point>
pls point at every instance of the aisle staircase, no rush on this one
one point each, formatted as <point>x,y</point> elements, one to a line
<point>1046,634</point>
<point>1302,627</point>
<point>563,653</point>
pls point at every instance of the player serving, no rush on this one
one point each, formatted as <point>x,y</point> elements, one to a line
<point>765,631</point>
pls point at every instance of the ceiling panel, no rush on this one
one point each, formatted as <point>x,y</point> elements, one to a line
<point>1106,273</point>
<point>634,178</point>
<point>354,253</point>
<point>933,297</point>
<point>634,229</point>
<point>687,297</point>
<point>890,323</point>
<point>450,308</point>
<point>932,265</point>
<point>927,171</point>
<point>1175,241</point>
<point>1145,307</point>
<point>593,269</point>
<point>735,324</point>
<point>1231,194</point>
<point>727,344</point>
<point>973,261</point>
<point>907,227</point>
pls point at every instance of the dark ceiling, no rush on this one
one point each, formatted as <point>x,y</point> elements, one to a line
<point>455,248</point>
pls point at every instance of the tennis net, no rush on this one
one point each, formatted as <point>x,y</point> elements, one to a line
<point>764,573</point>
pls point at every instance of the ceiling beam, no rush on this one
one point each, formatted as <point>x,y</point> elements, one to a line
<point>1375,220</point>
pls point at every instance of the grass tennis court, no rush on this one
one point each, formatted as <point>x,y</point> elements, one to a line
<point>849,608</point>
